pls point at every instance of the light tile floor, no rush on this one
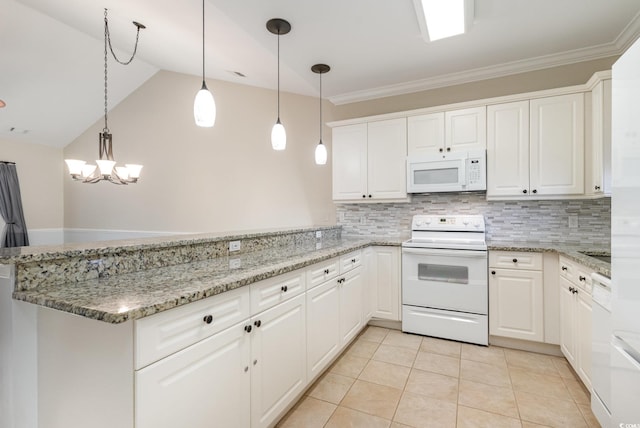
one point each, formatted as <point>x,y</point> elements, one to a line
<point>387,378</point>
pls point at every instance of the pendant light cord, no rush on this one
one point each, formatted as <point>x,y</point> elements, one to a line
<point>278,73</point>
<point>106,36</point>
<point>203,40</point>
<point>320,99</point>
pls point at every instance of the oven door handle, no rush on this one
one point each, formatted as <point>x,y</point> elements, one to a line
<point>448,253</point>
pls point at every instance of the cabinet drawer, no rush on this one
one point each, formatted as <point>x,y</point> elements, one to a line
<point>321,272</point>
<point>576,274</point>
<point>167,332</point>
<point>269,292</point>
<point>515,260</point>
<point>350,261</point>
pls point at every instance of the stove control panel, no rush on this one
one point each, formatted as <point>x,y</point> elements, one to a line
<point>448,222</point>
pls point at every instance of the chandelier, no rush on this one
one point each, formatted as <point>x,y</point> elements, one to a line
<point>105,168</point>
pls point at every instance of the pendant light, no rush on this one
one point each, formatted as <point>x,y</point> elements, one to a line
<point>204,106</point>
<point>106,169</point>
<point>278,134</point>
<point>321,149</point>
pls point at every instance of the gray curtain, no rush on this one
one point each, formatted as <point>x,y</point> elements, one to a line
<point>14,233</point>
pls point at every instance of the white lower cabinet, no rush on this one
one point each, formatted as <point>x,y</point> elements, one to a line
<point>384,282</point>
<point>278,360</point>
<point>350,304</point>
<point>516,304</point>
<point>207,384</point>
<point>323,326</point>
<point>516,295</point>
<point>575,317</point>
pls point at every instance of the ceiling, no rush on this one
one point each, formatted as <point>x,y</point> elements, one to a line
<point>52,50</point>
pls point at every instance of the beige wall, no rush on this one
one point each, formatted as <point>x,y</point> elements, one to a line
<point>557,77</point>
<point>40,174</point>
<point>195,179</point>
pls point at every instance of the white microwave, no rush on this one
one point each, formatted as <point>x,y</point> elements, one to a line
<point>447,172</point>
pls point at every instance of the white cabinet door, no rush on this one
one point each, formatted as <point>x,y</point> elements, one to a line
<point>466,129</point>
<point>598,174</point>
<point>557,145</point>
<point>583,332</point>
<point>508,149</point>
<point>349,157</point>
<point>385,283</point>
<point>278,360</point>
<point>386,159</point>
<point>567,321</point>
<point>369,266</point>
<point>204,385</point>
<point>516,306</point>
<point>425,134</point>
<point>323,326</point>
<point>350,304</point>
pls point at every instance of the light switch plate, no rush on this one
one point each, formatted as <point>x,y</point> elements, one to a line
<point>234,246</point>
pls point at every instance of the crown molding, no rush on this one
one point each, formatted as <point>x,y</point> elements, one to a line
<point>624,40</point>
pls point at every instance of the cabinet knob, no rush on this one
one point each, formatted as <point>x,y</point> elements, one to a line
<point>571,289</point>
<point>246,369</point>
<point>247,328</point>
<point>208,319</point>
<point>582,278</point>
<point>597,187</point>
<point>493,272</point>
<point>448,149</point>
<point>326,271</point>
<point>575,291</point>
<point>515,260</point>
<point>369,195</point>
<point>524,191</point>
<point>255,362</point>
<point>284,288</point>
<point>535,191</point>
<point>258,323</point>
<point>441,150</point>
<point>364,196</point>
<point>564,268</point>
<point>353,260</point>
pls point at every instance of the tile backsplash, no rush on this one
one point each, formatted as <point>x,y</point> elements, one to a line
<point>544,221</point>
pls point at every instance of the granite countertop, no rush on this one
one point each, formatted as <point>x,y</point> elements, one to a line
<point>572,251</point>
<point>130,296</point>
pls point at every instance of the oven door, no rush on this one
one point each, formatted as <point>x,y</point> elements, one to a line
<point>445,279</point>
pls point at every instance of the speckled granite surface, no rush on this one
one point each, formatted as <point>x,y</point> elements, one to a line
<point>127,280</point>
<point>119,298</point>
<point>574,252</point>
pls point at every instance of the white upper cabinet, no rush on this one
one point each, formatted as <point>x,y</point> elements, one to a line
<point>425,134</point>
<point>369,161</point>
<point>536,148</point>
<point>507,149</point>
<point>466,129</point>
<point>447,131</point>
<point>598,155</point>
<point>349,157</point>
<point>557,145</point>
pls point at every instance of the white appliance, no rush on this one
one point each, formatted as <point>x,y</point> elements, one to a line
<point>444,278</point>
<point>625,240</point>
<point>601,349</point>
<point>447,172</point>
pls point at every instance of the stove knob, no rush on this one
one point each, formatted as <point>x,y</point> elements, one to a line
<point>427,221</point>
<point>419,223</point>
<point>465,221</point>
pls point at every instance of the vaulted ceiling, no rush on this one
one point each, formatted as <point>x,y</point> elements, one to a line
<point>51,60</point>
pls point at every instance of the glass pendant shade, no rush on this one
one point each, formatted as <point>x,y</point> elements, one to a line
<point>278,136</point>
<point>321,154</point>
<point>204,108</point>
<point>75,166</point>
<point>134,170</point>
<point>122,172</point>
<point>105,166</point>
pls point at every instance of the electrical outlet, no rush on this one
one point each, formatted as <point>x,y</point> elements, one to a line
<point>573,221</point>
<point>318,234</point>
<point>318,245</point>
<point>234,246</point>
<point>235,263</point>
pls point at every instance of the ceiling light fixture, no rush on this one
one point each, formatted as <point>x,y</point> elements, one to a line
<point>278,134</point>
<point>204,106</point>
<point>439,19</point>
<point>321,149</point>
<point>107,169</point>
